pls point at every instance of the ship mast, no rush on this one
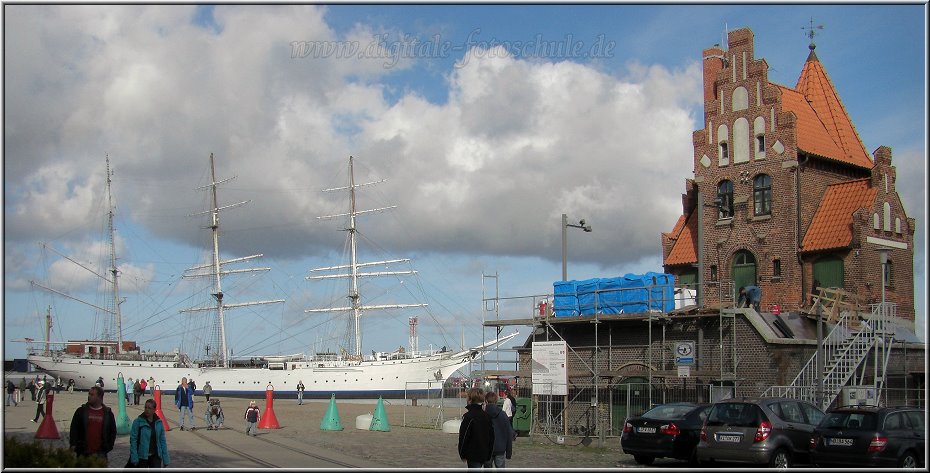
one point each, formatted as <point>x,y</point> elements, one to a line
<point>215,267</point>
<point>356,306</point>
<point>115,272</point>
<point>115,312</point>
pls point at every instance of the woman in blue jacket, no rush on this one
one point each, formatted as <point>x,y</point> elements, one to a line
<point>147,445</point>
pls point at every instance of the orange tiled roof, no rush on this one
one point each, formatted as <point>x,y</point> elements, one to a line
<point>824,127</point>
<point>685,249</point>
<point>832,224</point>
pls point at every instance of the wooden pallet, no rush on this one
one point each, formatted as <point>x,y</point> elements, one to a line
<point>835,301</point>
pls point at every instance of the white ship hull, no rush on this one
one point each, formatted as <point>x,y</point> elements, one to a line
<point>346,379</point>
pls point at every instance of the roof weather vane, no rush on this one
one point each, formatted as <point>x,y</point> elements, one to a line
<point>811,32</point>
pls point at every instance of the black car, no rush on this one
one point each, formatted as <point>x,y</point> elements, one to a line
<point>870,437</point>
<point>669,430</point>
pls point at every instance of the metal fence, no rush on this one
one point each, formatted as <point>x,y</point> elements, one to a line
<point>589,410</point>
<point>429,404</point>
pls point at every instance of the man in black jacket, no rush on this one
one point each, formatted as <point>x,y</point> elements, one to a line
<point>476,435</point>
<point>93,427</point>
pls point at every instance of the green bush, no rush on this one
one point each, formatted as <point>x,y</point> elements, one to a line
<point>17,454</point>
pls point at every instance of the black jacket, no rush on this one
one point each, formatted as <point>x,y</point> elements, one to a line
<point>503,432</point>
<point>476,435</point>
<point>79,429</point>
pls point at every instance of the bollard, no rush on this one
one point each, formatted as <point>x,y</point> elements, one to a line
<point>47,429</point>
<point>156,393</point>
<point>269,420</point>
<point>379,421</point>
<point>123,424</point>
<point>331,418</point>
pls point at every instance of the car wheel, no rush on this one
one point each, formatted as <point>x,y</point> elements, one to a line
<point>644,459</point>
<point>780,459</point>
<point>909,460</point>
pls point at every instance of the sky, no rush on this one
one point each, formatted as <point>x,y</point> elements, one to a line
<point>485,122</point>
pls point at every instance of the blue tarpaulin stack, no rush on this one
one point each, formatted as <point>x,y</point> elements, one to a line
<point>627,294</point>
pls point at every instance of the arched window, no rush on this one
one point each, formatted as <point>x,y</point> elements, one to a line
<point>725,200</point>
<point>762,194</point>
<point>887,219</point>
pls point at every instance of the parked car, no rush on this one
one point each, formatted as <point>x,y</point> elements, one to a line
<point>665,431</point>
<point>870,437</point>
<point>772,431</point>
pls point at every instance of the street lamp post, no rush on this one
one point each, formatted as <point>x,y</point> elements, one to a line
<point>565,225</point>
<point>883,259</point>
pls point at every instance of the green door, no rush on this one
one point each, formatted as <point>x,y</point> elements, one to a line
<point>828,271</point>
<point>687,278</point>
<point>630,398</point>
<point>744,270</point>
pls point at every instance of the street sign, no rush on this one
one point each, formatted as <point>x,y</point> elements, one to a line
<point>684,353</point>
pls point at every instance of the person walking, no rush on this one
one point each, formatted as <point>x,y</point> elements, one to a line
<point>510,405</point>
<point>148,447</point>
<point>143,384</point>
<point>41,395</point>
<point>503,431</point>
<point>22,389</point>
<point>32,389</point>
<point>128,390</point>
<point>193,386</point>
<point>99,381</point>
<point>10,393</point>
<point>300,393</point>
<point>476,434</point>
<point>184,400</point>
<point>207,391</point>
<point>252,415</point>
<point>136,392</point>
<point>749,295</point>
<point>71,386</point>
<point>93,427</point>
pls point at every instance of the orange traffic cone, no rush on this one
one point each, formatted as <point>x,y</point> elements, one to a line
<point>156,393</point>
<point>269,420</point>
<point>47,429</point>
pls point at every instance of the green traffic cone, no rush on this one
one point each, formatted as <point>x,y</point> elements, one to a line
<point>331,418</point>
<point>379,420</point>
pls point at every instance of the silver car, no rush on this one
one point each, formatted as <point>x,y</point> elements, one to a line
<point>775,432</point>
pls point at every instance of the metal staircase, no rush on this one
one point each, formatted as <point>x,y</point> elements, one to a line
<point>844,350</point>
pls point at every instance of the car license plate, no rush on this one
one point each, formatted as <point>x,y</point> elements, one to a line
<point>840,442</point>
<point>729,438</point>
<point>646,430</point>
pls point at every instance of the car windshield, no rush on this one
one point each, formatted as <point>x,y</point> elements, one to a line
<point>668,412</point>
<point>849,421</point>
<point>735,414</point>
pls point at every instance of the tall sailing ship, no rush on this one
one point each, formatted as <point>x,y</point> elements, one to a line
<point>347,374</point>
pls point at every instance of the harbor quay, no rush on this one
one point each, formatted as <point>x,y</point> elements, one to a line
<point>300,442</point>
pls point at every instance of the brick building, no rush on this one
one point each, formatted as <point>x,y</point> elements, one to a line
<point>784,194</point>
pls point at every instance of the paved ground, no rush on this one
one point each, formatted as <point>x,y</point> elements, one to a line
<point>300,443</point>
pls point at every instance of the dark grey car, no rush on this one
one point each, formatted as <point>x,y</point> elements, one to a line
<point>886,437</point>
<point>772,431</point>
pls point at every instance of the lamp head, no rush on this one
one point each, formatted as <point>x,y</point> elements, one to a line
<point>883,255</point>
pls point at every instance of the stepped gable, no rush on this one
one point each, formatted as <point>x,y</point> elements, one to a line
<point>820,96</point>
<point>685,249</point>
<point>832,224</point>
